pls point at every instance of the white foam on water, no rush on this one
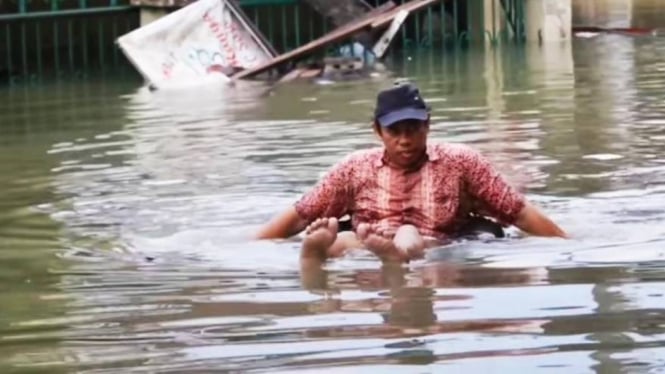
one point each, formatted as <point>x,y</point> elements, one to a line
<point>603,157</point>
<point>231,248</point>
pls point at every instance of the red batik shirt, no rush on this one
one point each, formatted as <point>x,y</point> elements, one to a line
<point>437,198</point>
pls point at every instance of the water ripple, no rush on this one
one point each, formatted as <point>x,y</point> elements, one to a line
<point>124,231</point>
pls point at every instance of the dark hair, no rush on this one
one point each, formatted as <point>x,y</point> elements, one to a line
<point>376,126</point>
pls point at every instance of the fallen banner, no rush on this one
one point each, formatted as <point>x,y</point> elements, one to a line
<point>206,41</point>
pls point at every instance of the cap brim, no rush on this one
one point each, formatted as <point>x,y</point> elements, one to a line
<point>403,114</point>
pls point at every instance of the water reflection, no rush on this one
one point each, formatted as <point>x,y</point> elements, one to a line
<point>145,200</point>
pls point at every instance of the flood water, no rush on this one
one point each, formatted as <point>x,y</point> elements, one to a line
<point>125,217</point>
<point>647,14</point>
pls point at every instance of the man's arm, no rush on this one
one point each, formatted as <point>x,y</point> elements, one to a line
<point>504,202</point>
<point>282,226</point>
<point>531,220</point>
<point>330,197</point>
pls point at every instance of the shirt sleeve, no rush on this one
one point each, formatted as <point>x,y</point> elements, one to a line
<point>331,196</point>
<point>496,197</point>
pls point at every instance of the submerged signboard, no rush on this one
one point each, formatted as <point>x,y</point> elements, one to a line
<point>203,42</point>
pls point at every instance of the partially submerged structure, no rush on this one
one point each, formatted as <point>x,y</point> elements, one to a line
<point>53,39</point>
<point>371,21</point>
<point>213,40</point>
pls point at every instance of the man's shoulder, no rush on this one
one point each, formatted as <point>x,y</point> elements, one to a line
<point>453,151</point>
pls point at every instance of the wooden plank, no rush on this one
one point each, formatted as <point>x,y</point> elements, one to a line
<point>411,7</point>
<point>292,75</point>
<point>365,37</point>
<point>311,73</point>
<point>336,35</point>
<point>384,41</point>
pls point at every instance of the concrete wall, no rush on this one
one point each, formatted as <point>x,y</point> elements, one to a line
<point>548,20</point>
<point>619,13</point>
<point>552,20</point>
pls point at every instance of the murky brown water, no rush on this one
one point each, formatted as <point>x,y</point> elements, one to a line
<point>124,217</point>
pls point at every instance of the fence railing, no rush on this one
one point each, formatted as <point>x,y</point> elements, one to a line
<point>41,39</point>
<point>61,38</point>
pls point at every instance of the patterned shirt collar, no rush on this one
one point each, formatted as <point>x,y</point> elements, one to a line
<point>379,159</point>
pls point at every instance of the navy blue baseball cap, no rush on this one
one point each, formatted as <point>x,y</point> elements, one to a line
<point>399,103</point>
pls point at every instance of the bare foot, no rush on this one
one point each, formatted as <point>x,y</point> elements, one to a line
<point>380,243</point>
<point>408,240</point>
<point>320,235</point>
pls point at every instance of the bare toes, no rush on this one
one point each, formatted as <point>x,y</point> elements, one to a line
<point>332,224</point>
<point>321,234</point>
<point>317,224</point>
<point>383,232</point>
<point>363,231</point>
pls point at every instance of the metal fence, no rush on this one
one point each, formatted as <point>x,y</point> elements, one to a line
<point>45,39</point>
<point>450,23</point>
<point>56,38</point>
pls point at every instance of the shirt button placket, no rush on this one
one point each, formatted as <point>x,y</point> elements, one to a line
<point>407,199</point>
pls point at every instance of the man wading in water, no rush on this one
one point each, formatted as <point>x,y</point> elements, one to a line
<point>405,196</point>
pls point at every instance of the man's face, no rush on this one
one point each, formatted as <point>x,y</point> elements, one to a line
<point>405,141</point>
